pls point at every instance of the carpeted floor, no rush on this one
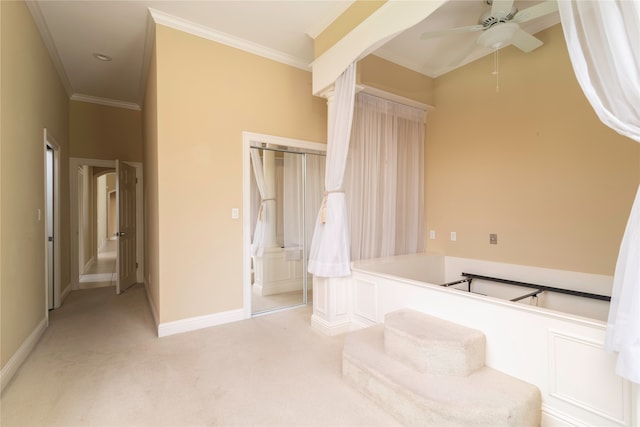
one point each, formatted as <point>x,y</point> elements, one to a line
<point>101,364</point>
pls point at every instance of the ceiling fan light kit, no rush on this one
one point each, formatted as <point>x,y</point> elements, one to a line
<point>498,36</point>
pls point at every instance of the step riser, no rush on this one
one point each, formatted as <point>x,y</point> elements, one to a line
<point>410,409</point>
<point>440,360</point>
<point>430,344</point>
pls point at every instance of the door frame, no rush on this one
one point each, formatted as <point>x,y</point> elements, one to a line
<point>50,141</point>
<point>74,163</point>
<point>248,138</point>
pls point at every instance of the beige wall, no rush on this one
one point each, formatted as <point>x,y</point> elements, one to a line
<point>531,163</point>
<point>150,182</point>
<point>32,99</point>
<point>104,132</point>
<point>207,94</point>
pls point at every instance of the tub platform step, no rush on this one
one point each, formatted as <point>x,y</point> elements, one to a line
<point>434,345</point>
<point>483,397</point>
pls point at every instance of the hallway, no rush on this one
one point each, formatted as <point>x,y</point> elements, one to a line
<point>101,364</point>
<point>102,271</point>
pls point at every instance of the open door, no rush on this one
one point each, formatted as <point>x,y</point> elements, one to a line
<point>126,265</point>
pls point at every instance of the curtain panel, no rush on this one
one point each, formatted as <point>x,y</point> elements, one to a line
<point>260,229</point>
<point>384,182</point>
<point>603,39</point>
<point>329,253</point>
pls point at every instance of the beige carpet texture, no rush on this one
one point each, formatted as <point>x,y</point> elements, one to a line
<point>100,363</point>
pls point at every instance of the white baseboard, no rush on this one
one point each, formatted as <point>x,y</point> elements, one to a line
<point>18,358</point>
<point>65,293</point>
<point>553,418</point>
<point>330,329</point>
<point>154,311</point>
<point>98,277</point>
<point>199,322</point>
<point>88,264</point>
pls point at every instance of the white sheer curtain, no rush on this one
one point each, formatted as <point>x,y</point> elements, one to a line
<point>603,38</point>
<point>260,231</point>
<point>329,254</point>
<point>302,199</point>
<point>314,191</point>
<point>384,181</point>
<point>293,206</point>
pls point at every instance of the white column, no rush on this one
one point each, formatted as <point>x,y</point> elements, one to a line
<point>331,308</point>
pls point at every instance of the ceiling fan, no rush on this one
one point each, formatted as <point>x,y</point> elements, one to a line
<point>500,25</point>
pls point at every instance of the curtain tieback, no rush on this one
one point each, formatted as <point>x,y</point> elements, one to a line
<point>323,208</point>
<point>260,208</point>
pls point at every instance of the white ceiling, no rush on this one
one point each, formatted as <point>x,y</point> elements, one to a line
<point>280,30</point>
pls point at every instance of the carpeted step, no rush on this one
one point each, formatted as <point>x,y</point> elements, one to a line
<point>434,345</point>
<point>486,397</point>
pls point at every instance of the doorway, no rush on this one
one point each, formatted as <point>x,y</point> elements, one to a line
<point>94,249</point>
<point>96,237</point>
<point>52,220</point>
<point>283,194</point>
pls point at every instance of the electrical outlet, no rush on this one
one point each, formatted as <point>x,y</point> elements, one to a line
<point>493,239</point>
<point>454,236</point>
<point>432,234</point>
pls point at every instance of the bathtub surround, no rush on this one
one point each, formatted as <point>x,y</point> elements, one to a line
<point>550,349</point>
<point>427,371</point>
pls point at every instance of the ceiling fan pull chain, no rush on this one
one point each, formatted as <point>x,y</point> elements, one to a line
<point>496,69</point>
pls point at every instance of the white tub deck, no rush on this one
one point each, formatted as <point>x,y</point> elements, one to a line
<point>561,353</point>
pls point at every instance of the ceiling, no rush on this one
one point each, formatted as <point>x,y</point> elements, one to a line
<point>74,31</point>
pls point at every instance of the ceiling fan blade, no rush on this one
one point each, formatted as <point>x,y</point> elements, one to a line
<point>536,11</point>
<point>525,41</point>
<point>501,8</point>
<point>449,31</point>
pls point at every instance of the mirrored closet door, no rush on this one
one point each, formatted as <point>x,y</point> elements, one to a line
<point>287,186</point>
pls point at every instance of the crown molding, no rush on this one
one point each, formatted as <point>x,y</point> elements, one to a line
<point>38,18</point>
<point>105,101</point>
<point>226,39</point>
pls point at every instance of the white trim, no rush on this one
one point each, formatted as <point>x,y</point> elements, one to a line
<point>199,322</point>
<point>41,23</point>
<point>390,19</point>
<point>98,277</point>
<point>379,93</point>
<point>105,101</point>
<point>88,264</point>
<point>330,328</point>
<point>180,24</point>
<point>552,417</point>
<point>65,293</point>
<point>50,140</point>
<point>154,311</point>
<point>247,139</point>
<point>281,140</point>
<point>18,358</point>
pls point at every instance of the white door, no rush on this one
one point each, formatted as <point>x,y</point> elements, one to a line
<point>126,265</point>
<point>49,226</point>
